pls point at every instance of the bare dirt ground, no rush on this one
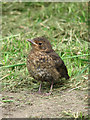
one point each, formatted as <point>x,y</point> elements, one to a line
<point>32,105</point>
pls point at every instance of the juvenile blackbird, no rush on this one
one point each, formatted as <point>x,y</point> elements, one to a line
<point>43,62</point>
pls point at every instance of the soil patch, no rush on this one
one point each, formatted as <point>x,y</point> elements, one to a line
<point>33,105</point>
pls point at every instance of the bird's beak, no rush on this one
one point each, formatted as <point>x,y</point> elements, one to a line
<point>31,41</point>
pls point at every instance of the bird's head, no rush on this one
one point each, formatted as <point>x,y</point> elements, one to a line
<point>41,44</point>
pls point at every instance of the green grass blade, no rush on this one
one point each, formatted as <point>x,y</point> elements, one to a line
<point>76,56</point>
<point>10,37</point>
<point>84,60</point>
<point>84,69</point>
<point>13,65</point>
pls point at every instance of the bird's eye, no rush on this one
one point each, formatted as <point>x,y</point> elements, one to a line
<point>40,43</point>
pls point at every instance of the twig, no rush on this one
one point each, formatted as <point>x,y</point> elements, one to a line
<point>74,88</point>
<point>4,77</point>
<point>44,26</point>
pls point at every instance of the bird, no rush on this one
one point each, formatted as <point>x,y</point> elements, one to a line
<point>44,64</point>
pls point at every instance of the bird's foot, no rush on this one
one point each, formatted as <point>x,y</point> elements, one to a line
<point>48,93</point>
<point>39,92</point>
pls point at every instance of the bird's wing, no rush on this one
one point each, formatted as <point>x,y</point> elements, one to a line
<point>57,60</point>
<point>59,65</point>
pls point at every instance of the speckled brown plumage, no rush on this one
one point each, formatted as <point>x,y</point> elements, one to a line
<point>43,63</point>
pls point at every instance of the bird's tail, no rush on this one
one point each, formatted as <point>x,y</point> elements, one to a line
<point>67,76</point>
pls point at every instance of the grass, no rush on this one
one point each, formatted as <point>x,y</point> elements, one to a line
<point>66,26</point>
<point>76,116</point>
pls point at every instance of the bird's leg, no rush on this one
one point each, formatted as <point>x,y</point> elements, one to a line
<point>50,89</point>
<point>39,91</point>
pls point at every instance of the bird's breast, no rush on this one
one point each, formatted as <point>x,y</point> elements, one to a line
<point>41,66</point>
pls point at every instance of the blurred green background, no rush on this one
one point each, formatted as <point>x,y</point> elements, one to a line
<point>65,25</point>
